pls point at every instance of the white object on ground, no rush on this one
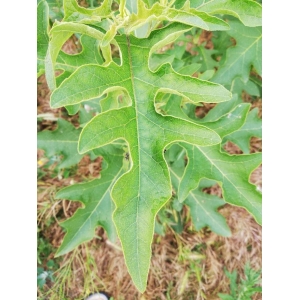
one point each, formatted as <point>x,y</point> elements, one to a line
<point>97,296</point>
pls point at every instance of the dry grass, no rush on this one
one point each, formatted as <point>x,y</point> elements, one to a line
<point>176,260</point>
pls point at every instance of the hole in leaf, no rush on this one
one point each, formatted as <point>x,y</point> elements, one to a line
<point>202,111</point>
<point>232,148</point>
<point>256,178</point>
<point>72,45</point>
<point>115,53</point>
<point>115,6</point>
<point>213,190</point>
<point>255,145</point>
<point>84,3</point>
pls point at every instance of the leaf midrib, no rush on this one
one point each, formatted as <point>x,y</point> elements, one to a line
<point>242,53</point>
<point>139,153</point>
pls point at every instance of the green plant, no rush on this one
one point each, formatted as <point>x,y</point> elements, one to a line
<point>46,266</point>
<point>245,288</point>
<point>137,108</point>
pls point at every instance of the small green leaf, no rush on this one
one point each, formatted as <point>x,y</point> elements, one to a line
<point>205,56</point>
<point>62,141</point>
<point>241,57</point>
<point>251,128</point>
<point>204,212</point>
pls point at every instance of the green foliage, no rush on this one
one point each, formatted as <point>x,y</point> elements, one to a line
<point>143,122</point>
<point>95,195</point>
<point>62,141</point>
<point>46,267</point>
<point>251,128</point>
<point>203,206</point>
<point>246,287</point>
<point>42,35</point>
<point>242,56</point>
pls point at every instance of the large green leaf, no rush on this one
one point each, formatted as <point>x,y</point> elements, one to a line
<point>241,57</point>
<point>146,187</point>
<point>62,141</point>
<point>249,12</point>
<point>98,207</point>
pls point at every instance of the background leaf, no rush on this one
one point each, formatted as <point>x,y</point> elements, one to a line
<point>62,141</point>
<point>98,206</point>
<point>251,128</point>
<point>241,57</point>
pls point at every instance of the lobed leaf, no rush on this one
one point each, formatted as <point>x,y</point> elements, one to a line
<point>89,54</point>
<point>251,128</point>
<point>241,57</point>
<point>146,132</point>
<point>59,35</point>
<point>203,206</point>
<point>98,207</point>
<point>204,212</point>
<point>231,171</point>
